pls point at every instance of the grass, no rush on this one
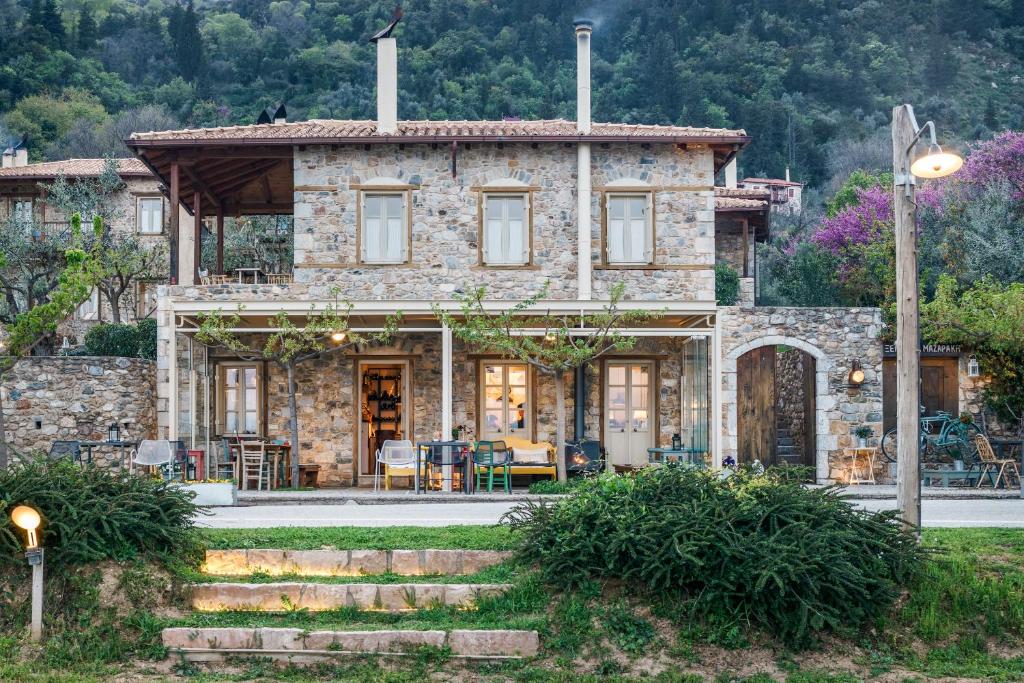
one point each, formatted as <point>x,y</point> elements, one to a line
<point>470,537</point>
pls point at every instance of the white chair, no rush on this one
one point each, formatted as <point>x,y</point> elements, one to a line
<point>397,459</point>
<point>254,464</point>
<point>154,453</point>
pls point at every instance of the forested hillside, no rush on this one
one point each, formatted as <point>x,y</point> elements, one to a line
<point>802,76</point>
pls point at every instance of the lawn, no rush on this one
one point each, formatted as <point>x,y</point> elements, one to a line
<point>963,620</point>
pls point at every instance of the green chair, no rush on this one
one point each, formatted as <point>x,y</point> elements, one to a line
<point>489,456</point>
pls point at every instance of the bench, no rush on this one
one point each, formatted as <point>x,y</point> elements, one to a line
<point>539,469</point>
<point>967,477</point>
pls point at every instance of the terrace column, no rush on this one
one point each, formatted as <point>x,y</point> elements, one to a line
<point>175,191</point>
<point>446,397</point>
<point>220,239</point>
<point>197,237</point>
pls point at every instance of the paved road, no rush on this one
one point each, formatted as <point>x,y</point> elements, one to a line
<point>937,513</point>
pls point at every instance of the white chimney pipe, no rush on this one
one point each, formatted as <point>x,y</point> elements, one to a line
<point>583,187</point>
<point>583,31</point>
<point>21,157</point>
<point>730,173</point>
<point>787,174</point>
<point>387,86</point>
<point>8,159</point>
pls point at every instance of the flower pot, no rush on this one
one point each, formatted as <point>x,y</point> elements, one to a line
<point>862,442</point>
<point>958,465</point>
<point>213,493</point>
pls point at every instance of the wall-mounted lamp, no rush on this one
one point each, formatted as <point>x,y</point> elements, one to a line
<point>28,519</point>
<point>856,376</point>
<point>973,369</point>
<point>550,336</point>
<point>338,336</point>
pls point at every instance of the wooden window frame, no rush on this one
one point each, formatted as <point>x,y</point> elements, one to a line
<point>651,195</point>
<point>221,386</point>
<point>524,191</point>
<point>138,215</point>
<point>140,298</point>
<point>481,394</point>
<point>406,192</point>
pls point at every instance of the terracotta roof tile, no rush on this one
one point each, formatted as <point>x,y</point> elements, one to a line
<point>771,181</point>
<point>737,198</point>
<point>73,168</point>
<point>366,131</point>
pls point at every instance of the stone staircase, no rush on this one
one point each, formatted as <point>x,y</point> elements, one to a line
<point>209,644</point>
<point>786,450</point>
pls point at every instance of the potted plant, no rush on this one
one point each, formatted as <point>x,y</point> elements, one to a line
<point>213,492</point>
<point>862,433</point>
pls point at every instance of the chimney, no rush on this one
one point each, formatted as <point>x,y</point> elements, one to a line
<point>21,157</point>
<point>787,174</point>
<point>730,173</point>
<point>8,161</point>
<point>281,115</point>
<point>387,86</point>
<point>584,27</point>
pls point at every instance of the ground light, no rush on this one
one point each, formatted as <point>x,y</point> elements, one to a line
<point>28,519</point>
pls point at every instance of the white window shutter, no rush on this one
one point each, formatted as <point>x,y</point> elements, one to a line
<point>649,229</point>
<point>392,209</point>
<point>616,229</point>
<point>524,256</point>
<point>405,235</point>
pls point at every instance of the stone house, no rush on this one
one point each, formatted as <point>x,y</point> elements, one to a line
<point>139,210</point>
<point>397,215</point>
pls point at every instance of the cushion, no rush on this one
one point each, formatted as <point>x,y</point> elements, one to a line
<point>530,456</point>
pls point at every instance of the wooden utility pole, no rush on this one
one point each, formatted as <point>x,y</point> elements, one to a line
<point>175,203</point>
<point>908,345</point>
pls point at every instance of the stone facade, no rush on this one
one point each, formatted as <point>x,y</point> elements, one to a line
<point>789,395</point>
<point>834,337</point>
<point>77,398</point>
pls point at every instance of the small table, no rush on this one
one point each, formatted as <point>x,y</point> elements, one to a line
<point>686,455</point>
<point>253,272</point>
<point>867,454</point>
<point>447,449</point>
<point>88,447</point>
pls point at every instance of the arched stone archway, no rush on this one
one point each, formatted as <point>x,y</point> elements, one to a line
<point>823,402</point>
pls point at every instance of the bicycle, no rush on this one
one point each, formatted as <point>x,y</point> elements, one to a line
<point>942,434</point>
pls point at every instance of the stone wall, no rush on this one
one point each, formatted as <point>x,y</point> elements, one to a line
<point>444,251</point>
<point>789,395</point>
<point>834,337</point>
<point>77,398</point>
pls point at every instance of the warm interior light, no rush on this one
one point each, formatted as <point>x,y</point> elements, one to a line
<point>338,336</point>
<point>28,519</point>
<point>936,163</point>
<point>550,336</point>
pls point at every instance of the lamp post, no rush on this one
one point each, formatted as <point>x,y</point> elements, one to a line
<point>934,164</point>
<point>28,519</point>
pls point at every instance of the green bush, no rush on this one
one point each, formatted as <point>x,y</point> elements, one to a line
<point>727,285</point>
<point>92,514</point>
<point>761,551</point>
<point>129,341</point>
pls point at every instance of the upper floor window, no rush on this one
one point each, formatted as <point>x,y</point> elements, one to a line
<point>149,215</point>
<point>90,308</point>
<point>384,235</point>
<point>629,239</point>
<point>506,233</point>
<point>21,210</point>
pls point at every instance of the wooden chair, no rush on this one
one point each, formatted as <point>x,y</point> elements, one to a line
<point>254,464</point>
<point>990,463</point>
<point>279,279</point>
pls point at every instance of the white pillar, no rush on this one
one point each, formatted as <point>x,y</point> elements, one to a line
<point>387,86</point>
<point>715,432</point>
<point>730,174</point>
<point>583,246</point>
<point>446,398</point>
<point>172,379</point>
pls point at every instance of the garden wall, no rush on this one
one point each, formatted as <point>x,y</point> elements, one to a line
<point>77,398</point>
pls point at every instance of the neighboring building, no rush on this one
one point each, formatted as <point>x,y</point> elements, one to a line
<point>785,194</point>
<point>396,215</point>
<point>140,209</point>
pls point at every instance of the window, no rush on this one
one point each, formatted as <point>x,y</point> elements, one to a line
<point>21,210</point>
<point>90,308</point>
<point>629,229</point>
<point>239,399</point>
<point>792,193</point>
<point>506,399</point>
<point>506,236</point>
<point>145,298</point>
<point>149,215</point>
<point>385,236</point>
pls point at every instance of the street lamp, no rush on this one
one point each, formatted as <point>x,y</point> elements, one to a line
<point>933,164</point>
<point>28,519</point>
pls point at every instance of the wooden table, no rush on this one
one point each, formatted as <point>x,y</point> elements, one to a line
<point>279,452</point>
<point>867,454</point>
<point>252,272</point>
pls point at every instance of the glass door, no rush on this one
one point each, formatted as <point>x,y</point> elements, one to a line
<point>629,411</point>
<point>506,400</point>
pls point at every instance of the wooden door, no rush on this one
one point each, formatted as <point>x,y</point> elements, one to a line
<point>755,405</point>
<point>888,393</point>
<point>939,386</point>
<point>629,411</point>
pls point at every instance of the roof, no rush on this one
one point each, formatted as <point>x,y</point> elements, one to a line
<point>73,168</point>
<point>741,198</point>
<point>771,181</point>
<point>330,131</point>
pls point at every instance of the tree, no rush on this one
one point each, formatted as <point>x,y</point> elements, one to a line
<point>86,35</point>
<point>562,343</point>
<point>186,41</point>
<point>30,266</point>
<point>326,331</point>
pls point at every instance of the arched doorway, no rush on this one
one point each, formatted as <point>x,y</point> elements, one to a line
<point>776,407</point>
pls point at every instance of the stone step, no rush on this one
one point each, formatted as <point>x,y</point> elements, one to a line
<point>784,441</point>
<point>790,458</point>
<point>301,646</point>
<point>350,562</point>
<point>315,597</point>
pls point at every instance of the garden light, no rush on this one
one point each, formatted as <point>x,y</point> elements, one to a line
<point>550,336</point>
<point>28,519</point>
<point>338,336</point>
<point>936,163</point>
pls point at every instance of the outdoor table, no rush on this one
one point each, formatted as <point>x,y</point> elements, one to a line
<point>88,446</point>
<point>281,453</point>
<point>447,448</point>
<point>867,457</point>
<point>252,272</point>
<point>664,455</point>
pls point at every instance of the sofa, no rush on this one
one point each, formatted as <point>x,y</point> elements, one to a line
<point>531,460</point>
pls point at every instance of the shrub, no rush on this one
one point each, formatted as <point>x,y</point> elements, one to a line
<point>92,514</point>
<point>727,285</point>
<point>761,551</point>
<point>129,341</point>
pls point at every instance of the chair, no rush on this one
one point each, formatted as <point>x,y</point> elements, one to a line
<point>279,279</point>
<point>489,456</point>
<point>154,453</point>
<point>226,465</point>
<point>990,463</point>
<point>396,458</point>
<point>254,463</point>
<point>72,450</point>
